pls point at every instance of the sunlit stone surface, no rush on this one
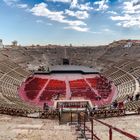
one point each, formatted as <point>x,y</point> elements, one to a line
<point>15,128</point>
<point>19,128</point>
<point>130,124</point>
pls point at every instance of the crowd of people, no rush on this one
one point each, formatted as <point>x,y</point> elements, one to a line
<point>133,98</point>
<point>120,104</point>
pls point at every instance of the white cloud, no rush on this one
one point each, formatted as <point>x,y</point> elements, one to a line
<point>131,7</point>
<point>136,2</point>
<point>76,5</point>
<point>130,23</point>
<point>77,28</point>
<point>127,20</point>
<point>42,10</point>
<point>95,32</point>
<point>85,6</point>
<point>16,3</point>
<point>102,5</point>
<point>22,6</point>
<point>49,24</point>
<point>64,1</point>
<point>77,14</point>
<point>73,22</point>
<point>39,21</point>
<point>106,30</point>
<point>112,12</point>
<point>10,2</point>
<point>42,22</point>
<point>130,16</point>
<point>121,18</point>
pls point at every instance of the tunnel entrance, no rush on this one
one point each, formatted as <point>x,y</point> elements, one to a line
<point>65,61</point>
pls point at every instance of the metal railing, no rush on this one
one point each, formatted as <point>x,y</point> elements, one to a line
<point>83,118</point>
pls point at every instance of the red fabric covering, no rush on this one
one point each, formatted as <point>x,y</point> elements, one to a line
<point>43,88</point>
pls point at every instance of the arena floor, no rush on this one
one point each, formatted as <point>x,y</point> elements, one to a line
<point>65,79</point>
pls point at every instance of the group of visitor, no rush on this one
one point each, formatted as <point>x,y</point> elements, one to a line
<point>133,98</point>
<point>120,104</point>
<point>117,104</point>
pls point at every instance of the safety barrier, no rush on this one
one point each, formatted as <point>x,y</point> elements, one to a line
<point>83,118</point>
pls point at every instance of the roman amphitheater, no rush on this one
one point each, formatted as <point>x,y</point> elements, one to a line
<point>70,93</point>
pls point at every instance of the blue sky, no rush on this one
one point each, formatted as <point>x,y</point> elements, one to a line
<point>79,22</point>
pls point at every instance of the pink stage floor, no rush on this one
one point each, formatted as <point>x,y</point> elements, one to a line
<point>38,89</point>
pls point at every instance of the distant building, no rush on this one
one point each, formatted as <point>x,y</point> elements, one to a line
<point>1,43</point>
<point>14,43</point>
<point>128,45</point>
